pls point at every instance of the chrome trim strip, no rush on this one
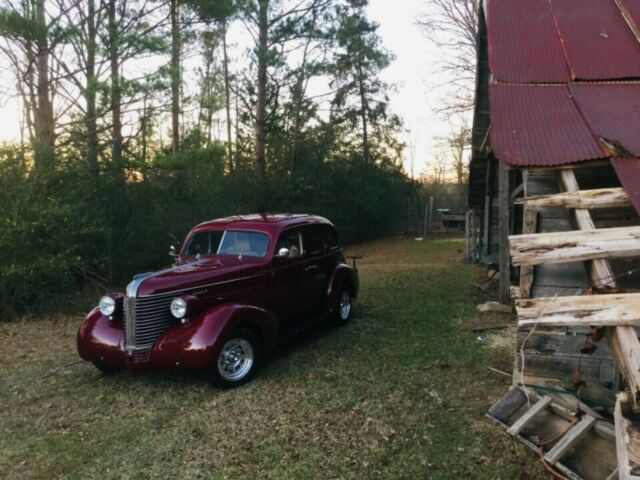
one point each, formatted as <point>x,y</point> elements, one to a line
<point>130,317</point>
<point>173,292</point>
<point>134,285</point>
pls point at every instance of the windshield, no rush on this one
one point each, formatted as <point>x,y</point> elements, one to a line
<point>249,244</point>
<point>228,242</point>
<point>204,243</point>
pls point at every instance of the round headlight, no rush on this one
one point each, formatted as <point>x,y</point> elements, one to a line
<point>178,308</point>
<point>107,306</point>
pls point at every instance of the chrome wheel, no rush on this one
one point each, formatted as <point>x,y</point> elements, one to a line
<point>235,359</point>
<point>345,305</point>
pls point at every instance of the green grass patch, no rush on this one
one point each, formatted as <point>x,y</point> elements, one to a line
<point>400,392</point>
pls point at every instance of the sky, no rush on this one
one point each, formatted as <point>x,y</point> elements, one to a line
<point>414,74</point>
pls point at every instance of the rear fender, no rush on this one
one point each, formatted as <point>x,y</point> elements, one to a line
<point>343,275</point>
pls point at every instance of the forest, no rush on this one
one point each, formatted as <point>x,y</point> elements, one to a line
<point>136,124</point>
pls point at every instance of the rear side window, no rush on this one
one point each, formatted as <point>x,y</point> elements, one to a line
<point>332,237</point>
<point>315,238</point>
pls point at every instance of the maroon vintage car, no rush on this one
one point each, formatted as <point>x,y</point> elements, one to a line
<point>238,287</point>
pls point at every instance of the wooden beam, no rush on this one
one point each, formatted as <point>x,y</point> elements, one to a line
<point>586,310</point>
<point>529,226</point>
<point>522,422</point>
<point>575,246</point>
<point>622,340</point>
<point>582,199</point>
<point>601,272</point>
<point>576,166</point>
<point>505,205</point>
<point>627,441</point>
<point>573,435</point>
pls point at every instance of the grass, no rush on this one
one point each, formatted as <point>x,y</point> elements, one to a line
<point>399,393</point>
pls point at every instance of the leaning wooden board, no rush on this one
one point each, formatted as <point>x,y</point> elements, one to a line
<point>586,310</point>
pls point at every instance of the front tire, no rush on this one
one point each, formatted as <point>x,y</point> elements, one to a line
<point>238,359</point>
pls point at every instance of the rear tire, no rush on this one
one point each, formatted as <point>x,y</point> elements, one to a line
<point>345,307</point>
<point>238,359</point>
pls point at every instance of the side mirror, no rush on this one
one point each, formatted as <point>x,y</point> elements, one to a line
<point>283,253</point>
<point>172,251</point>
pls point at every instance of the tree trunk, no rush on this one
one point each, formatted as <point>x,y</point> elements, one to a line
<point>261,103</point>
<point>116,94</point>
<point>237,130</point>
<point>227,93</point>
<point>364,111</point>
<point>298,99</point>
<point>90,89</point>
<point>144,126</point>
<point>44,131</point>
<point>175,76</point>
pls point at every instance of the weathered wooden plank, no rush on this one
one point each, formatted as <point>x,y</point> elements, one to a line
<point>593,310</point>
<point>577,245</point>
<point>522,422</point>
<point>560,448</point>
<point>583,199</point>
<point>529,226</point>
<point>627,442</point>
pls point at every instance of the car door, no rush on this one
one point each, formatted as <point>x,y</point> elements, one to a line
<point>316,267</point>
<point>287,276</point>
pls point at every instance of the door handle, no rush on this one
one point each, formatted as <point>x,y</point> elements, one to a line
<point>310,268</point>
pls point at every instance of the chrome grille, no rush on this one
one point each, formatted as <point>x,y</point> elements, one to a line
<point>145,319</point>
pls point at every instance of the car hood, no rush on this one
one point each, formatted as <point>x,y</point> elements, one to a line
<point>198,273</point>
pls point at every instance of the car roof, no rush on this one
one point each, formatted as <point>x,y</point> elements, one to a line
<point>265,222</point>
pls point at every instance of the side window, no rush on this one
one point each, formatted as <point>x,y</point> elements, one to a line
<point>332,237</point>
<point>315,239</point>
<point>292,241</point>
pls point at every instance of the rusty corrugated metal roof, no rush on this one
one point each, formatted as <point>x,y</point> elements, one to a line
<point>598,42</point>
<point>632,9</point>
<point>524,46</point>
<point>628,171</point>
<point>612,111</point>
<point>583,47</point>
<point>536,125</point>
<point>554,41</point>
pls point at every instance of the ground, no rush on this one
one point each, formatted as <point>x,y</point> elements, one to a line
<point>400,392</point>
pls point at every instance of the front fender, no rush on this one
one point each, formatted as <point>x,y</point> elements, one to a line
<point>197,343</point>
<point>342,275</point>
<point>100,340</point>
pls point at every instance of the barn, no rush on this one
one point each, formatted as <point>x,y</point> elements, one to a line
<point>555,188</point>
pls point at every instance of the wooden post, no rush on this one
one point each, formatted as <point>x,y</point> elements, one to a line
<point>426,219</point>
<point>473,252</point>
<point>504,200</point>
<point>467,237</point>
<point>487,212</point>
<point>530,225</point>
